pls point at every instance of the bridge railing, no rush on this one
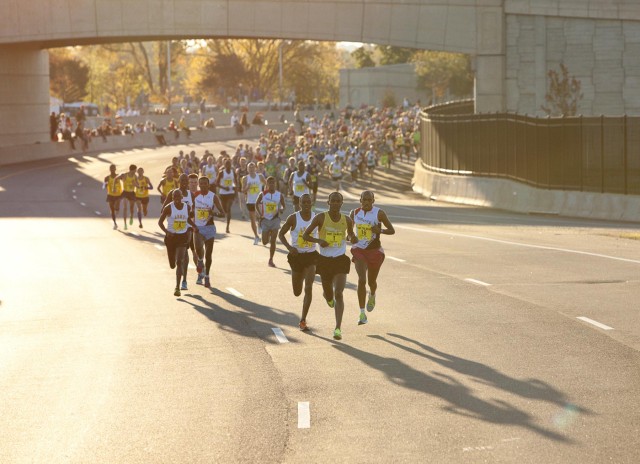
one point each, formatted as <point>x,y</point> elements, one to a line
<point>593,154</point>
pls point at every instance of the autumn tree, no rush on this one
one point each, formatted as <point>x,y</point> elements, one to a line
<point>564,93</point>
<point>442,71</point>
<point>68,76</point>
<point>363,57</point>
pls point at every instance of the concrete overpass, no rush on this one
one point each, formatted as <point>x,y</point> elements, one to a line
<point>514,42</point>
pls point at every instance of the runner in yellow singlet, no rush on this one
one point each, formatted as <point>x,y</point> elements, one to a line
<point>167,184</point>
<point>334,229</point>
<point>142,194</point>
<point>113,184</point>
<point>129,184</point>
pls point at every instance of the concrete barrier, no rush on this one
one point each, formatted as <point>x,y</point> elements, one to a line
<point>514,196</point>
<point>41,151</point>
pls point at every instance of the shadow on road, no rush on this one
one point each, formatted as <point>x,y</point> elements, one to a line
<point>250,320</point>
<point>460,398</point>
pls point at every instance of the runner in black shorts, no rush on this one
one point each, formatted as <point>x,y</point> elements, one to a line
<point>302,255</point>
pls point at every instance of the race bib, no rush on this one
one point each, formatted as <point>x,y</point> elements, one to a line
<point>300,187</point>
<point>314,178</point>
<point>334,239</point>
<point>227,182</point>
<point>301,242</point>
<point>271,207</point>
<point>202,214</point>
<point>253,189</point>
<point>364,231</point>
<point>179,225</point>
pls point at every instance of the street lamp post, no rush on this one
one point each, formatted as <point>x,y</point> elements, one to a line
<point>280,74</point>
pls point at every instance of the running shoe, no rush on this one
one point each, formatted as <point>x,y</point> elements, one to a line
<point>303,326</point>
<point>125,225</point>
<point>207,282</point>
<point>184,285</point>
<point>256,240</point>
<point>337,334</point>
<point>363,319</point>
<point>131,221</point>
<point>199,279</point>
<point>141,225</point>
<point>115,226</point>
<point>331,303</point>
<point>271,263</point>
<point>177,292</point>
<point>371,303</point>
<point>199,266</point>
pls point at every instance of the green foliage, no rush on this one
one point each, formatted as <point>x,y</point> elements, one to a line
<point>363,58</point>
<point>440,71</point>
<point>68,76</point>
<point>564,93</point>
<point>395,55</point>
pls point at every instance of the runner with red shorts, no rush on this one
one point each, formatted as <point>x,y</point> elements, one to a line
<point>368,254</point>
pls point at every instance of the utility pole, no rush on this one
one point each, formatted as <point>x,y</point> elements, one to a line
<point>169,75</point>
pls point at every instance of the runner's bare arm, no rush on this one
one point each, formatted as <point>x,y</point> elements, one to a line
<point>316,222</point>
<point>382,217</point>
<point>282,234</point>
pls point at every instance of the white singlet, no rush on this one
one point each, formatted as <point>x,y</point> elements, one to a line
<point>203,208</point>
<point>296,235</point>
<point>177,220</point>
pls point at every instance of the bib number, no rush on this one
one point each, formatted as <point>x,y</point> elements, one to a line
<point>300,187</point>
<point>301,242</point>
<point>364,231</point>
<point>253,189</point>
<point>227,183</point>
<point>334,239</point>
<point>179,225</point>
<point>202,214</point>
<point>271,208</point>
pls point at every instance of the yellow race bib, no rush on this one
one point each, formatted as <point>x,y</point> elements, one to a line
<point>300,187</point>
<point>271,207</point>
<point>364,231</point>
<point>179,225</point>
<point>301,242</point>
<point>334,239</point>
<point>227,182</point>
<point>254,188</point>
<point>202,214</point>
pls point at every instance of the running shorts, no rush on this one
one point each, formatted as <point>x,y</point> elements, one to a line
<point>270,224</point>
<point>175,241</point>
<point>327,267</point>
<point>299,261</point>
<point>144,200</point>
<point>129,195</point>
<point>113,198</point>
<point>208,232</point>
<point>374,257</point>
<point>251,206</point>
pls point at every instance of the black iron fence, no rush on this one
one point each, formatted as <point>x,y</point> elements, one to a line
<point>595,154</point>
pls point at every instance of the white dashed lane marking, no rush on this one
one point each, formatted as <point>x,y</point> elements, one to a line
<point>82,203</point>
<point>478,282</point>
<point>596,323</point>
<point>235,292</point>
<point>304,415</point>
<point>98,213</point>
<point>397,259</point>
<point>282,338</point>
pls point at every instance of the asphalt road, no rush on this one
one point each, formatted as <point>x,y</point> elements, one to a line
<point>475,352</point>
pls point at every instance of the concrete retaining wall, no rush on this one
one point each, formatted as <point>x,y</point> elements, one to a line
<point>514,196</point>
<point>41,151</point>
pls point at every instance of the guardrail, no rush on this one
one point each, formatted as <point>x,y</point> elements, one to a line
<point>590,154</point>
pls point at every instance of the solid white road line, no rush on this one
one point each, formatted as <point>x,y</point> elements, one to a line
<point>397,259</point>
<point>526,245</point>
<point>596,323</point>
<point>282,338</point>
<point>304,415</point>
<point>478,282</point>
<point>235,292</point>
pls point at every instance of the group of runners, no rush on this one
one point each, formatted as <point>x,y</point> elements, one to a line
<point>194,192</point>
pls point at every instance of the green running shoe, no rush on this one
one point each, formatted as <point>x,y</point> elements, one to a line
<point>371,303</point>
<point>337,334</point>
<point>176,292</point>
<point>363,319</point>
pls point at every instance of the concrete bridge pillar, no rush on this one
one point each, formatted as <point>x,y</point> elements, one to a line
<point>489,91</point>
<point>24,95</point>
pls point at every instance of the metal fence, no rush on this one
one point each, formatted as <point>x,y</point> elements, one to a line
<point>594,154</point>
